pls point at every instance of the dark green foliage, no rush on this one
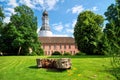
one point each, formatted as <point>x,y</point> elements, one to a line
<point>19,37</point>
<point>112,32</point>
<point>80,54</point>
<point>8,33</point>
<point>67,53</point>
<point>56,53</point>
<point>1,16</point>
<point>88,32</point>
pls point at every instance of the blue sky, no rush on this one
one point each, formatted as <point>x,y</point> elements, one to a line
<point>62,13</point>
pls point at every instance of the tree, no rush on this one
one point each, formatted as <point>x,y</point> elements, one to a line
<point>1,21</point>
<point>1,16</point>
<point>88,32</point>
<point>26,24</point>
<point>19,37</point>
<point>8,34</point>
<point>112,31</point>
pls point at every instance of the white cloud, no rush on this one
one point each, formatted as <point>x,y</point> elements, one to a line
<point>74,22</point>
<point>40,4</point>
<point>38,29</point>
<point>8,14</point>
<point>27,2</point>
<point>76,9</point>
<point>58,27</point>
<point>69,30</point>
<point>50,4</point>
<point>9,10</point>
<point>7,20</point>
<point>67,25</point>
<point>94,8</point>
<point>12,3</point>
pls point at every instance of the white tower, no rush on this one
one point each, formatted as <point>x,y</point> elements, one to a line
<point>45,29</point>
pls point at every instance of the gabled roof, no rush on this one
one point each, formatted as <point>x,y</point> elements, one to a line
<point>57,40</point>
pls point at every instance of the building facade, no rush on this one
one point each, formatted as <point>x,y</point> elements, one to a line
<point>50,44</point>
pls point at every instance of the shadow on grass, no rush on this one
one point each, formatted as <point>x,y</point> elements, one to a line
<point>115,72</point>
<point>33,67</point>
<point>55,70</point>
<point>48,69</point>
<point>86,56</point>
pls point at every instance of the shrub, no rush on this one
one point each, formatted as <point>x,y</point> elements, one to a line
<point>56,53</point>
<point>67,53</point>
<point>80,53</point>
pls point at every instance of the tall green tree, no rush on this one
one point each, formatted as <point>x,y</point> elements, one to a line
<point>19,37</point>
<point>8,34</point>
<point>26,24</point>
<point>1,16</point>
<point>88,32</point>
<point>1,21</point>
<point>112,31</point>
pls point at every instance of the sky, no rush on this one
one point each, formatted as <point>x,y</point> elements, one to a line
<point>62,13</point>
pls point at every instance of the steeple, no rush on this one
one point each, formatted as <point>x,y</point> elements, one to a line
<point>45,21</point>
<point>45,29</point>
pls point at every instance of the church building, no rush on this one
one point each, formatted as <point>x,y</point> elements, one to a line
<point>50,43</point>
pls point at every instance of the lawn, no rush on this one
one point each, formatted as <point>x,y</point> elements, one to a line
<point>83,68</point>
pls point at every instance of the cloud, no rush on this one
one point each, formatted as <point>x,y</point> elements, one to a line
<point>38,29</point>
<point>67,25</point>
<point>94,8</point>
<point>7,20</point>
<point>74,22</point>
<point>76,9</point>
<point>58,27</point>
<point>69,30</point>
<point>12,3</point>
<point>9,10</point>
<point>50,4</point>
<point>40,4</point>
<point>27,2</point>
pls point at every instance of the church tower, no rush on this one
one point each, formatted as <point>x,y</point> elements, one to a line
<point>45,29</point>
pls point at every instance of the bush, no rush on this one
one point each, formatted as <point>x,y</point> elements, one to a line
<point>80,53</point>
<point>56,53</point>
<point>67,53</point>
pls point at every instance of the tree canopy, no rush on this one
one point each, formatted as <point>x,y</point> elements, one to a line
<point>112,32</point>
<point>19,36</point>
<point>88,32</point>
<point>112,29</point>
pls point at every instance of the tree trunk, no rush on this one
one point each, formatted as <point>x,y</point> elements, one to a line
<point>19,50</point>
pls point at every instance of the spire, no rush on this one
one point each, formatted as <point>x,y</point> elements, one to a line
<point>45,29</point>
<point>45,21</point>
<point>45,13</point>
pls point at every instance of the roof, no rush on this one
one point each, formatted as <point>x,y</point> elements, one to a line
<point>45,13</point>
<point>57,40</point>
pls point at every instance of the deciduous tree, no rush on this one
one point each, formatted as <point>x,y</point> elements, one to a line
<point>88,32</point>
<point>112,31</point>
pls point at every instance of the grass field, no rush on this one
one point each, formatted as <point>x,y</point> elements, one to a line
<point>83,68</point>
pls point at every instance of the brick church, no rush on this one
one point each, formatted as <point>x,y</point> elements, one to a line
<point>51,43</point>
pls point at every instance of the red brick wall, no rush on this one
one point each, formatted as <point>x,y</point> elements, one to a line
<point>50,48</point>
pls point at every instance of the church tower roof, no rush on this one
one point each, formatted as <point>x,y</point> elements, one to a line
<point>45,28</point>
<point>45,13</point>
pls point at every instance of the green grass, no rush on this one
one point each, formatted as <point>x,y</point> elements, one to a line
<point>83,68</point>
